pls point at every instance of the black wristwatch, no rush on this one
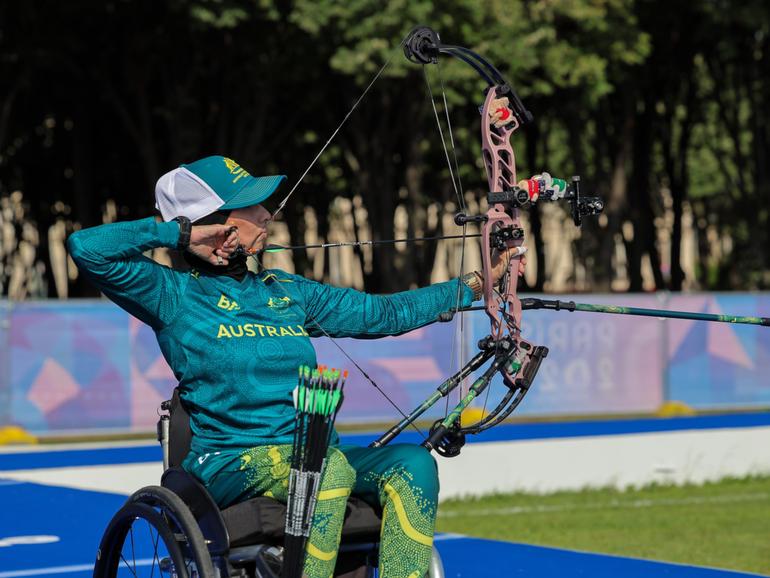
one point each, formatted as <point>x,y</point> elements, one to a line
<point>185,229</point>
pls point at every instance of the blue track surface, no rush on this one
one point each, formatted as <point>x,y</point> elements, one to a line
<point>72,521</point>
<point>68,523</point>
<point>77,517</point>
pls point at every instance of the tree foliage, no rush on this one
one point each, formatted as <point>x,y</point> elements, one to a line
<point>661,106</point>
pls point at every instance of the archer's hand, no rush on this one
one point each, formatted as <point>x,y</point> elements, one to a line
<point>500,262</point>
<point>213,243</point>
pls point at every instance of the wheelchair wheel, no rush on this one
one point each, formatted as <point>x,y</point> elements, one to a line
<point>139,542</point>
<point>156,527</point>
<point>182,522</point>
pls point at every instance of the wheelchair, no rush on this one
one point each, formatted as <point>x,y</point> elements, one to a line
<point>177,530</point>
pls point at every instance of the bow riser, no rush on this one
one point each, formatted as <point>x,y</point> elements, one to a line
<point>503,308</point>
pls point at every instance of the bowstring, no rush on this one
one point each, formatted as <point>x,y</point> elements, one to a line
<point>459,192</point>
<point>454,174</point>
<point>285,200</point>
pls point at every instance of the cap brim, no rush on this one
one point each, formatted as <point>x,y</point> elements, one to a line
<point>256,190</point>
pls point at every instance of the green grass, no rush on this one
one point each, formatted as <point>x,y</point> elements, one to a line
<point>724,524</point>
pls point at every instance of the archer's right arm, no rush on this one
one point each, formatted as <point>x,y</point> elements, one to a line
<point>111,257</point>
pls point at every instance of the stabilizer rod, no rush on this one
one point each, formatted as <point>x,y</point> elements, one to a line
<point>443,390</point>
<point>556,305</point>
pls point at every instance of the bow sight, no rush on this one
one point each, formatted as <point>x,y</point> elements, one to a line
<point>522,198</point>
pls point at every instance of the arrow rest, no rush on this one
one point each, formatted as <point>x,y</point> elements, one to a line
<point>499,238</point>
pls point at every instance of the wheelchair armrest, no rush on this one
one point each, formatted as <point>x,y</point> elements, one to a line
<point>202,506</point>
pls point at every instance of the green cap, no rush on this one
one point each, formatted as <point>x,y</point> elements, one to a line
<point>232,183</point>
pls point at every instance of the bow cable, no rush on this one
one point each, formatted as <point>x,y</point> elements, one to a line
<point>464,387</point>
<point>283,202</point>
<point>460,194</point>
<point>341,349</point>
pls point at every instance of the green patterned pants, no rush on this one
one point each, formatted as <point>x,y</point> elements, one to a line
<point>401,478</point>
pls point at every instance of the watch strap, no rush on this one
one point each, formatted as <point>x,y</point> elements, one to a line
<point>185,230</point>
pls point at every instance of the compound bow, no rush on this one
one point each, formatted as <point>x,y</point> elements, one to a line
<point>514,358</point>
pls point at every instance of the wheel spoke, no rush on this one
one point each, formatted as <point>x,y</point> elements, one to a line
<point>128,565</point>
<point>154,551</point>
<point>133,549</point>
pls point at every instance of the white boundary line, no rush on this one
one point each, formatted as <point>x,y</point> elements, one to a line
<point>68,446</point>
<point>60,569</point>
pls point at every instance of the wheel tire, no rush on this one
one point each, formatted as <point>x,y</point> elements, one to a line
<point>181,519</point>
<point>109,555</point>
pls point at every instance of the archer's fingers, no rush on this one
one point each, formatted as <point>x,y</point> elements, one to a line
<point>219,260</point>
<point>224,252</point>
<point>232,237</point>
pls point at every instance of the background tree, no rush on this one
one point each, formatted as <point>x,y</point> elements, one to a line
<point>665,121</point>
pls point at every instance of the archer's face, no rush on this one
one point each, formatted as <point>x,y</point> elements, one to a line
<point>252,225</point>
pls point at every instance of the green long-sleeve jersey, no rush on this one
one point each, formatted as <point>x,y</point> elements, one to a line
<point>234,346</point>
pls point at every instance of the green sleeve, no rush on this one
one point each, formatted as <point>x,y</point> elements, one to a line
<point>110,256</point>
<point>350,313</point>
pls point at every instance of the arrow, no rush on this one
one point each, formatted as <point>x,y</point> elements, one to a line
<point>279,248</point>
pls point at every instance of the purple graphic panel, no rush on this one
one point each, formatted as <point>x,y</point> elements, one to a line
<point>596,363</point>
<point>719,365</point>
<point>88,365</point>
<point>6,415</point>
<point>69,366</point>
<point>152,380</point>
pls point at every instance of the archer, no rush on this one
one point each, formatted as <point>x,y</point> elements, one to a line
<point>237,386</point>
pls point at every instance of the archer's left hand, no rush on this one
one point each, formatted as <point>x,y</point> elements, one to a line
<point>500,262</point>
